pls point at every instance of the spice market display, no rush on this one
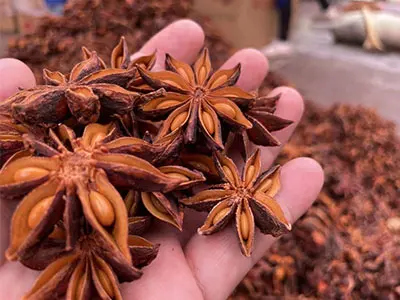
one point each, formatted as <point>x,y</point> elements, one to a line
<point>345,246</point>
<point>87,179</point>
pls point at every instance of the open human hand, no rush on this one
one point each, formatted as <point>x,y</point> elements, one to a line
<point>188,266</point>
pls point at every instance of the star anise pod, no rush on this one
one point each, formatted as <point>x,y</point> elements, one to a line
<point>261,114</point>
<point>92,269</point>
<point>165,206</point>
<point>197,99</point>
<point>89,90</point>
<point>75,180</point>
<point>248,200</point>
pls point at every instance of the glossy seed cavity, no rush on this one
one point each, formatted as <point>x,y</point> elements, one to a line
<point>199,166</point>
<point>30,173</point>
<point>202,74</point>
<point>166,104</point>
<point>250,174</point>
<point>228,173</point>
<point>226,109</point>
<point>102,208</point>
<point>157,205</point>
<point>208,122</point>
<point>178,176</point>
<point>38,211</point>
<point>244,226</point>
<point>265,186</point>
<point>220,215</point>
<point>179,119</point>
<point>97,138</point>
<point>219,81</point>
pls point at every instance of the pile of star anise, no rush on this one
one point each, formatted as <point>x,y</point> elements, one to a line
<point>95,155</point>
<point>347,246</point>
<point>98,24</point>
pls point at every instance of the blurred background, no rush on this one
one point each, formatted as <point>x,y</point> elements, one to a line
<point>343,56</point>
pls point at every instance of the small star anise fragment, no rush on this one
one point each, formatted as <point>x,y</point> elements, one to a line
<point>247,200</point>
<point>197,99</point>
<point>91,270</point>
<point>73,183</point>
<point>165,206</point>
<point>261,114</point>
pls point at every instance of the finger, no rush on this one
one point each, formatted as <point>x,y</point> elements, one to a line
<point>291,107</point>
<point>14,74</point>
<point>15,280</point>
<point>168,270</point>
<point>254,67</point>
<point>182,39</point>
<point>216,260</point>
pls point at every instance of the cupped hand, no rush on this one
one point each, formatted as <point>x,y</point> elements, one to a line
<point>188,266</point>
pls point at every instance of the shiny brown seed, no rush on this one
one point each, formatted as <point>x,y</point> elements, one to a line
<point>208,122</point>
<point>219,81</point>
<point>97,138</point>
<point>179,119</point>
<point>226,109</point>
<point>202,74</point>
<point>105,282</point>
<point>166,104</point>
<point>157,205</point>
<point>250,174</point>
<point>38,211</point>
<point>265,186</point>
<point>102,208</point>
<point>228,173</point>
<point>220,215</point>
<point>30,173</point>
<point>244,226</point>
<point>178,176</point>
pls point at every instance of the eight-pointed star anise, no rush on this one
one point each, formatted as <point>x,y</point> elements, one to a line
<point>92,270</point>
<point>197,99</point>
<point>76,180</point>
<point>248,200</point>
<point>89,90</point>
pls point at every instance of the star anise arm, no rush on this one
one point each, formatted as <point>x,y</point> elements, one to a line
<point>52,282</point>
<point>159,107</point>
<point>80,285</point>
<point>83,104</point>
<point>165,79</point>
<point>252,169</point>
<point>120,77</point>
<point>227,169</point>
<point>219,217</point>
<point>223,78</point>
<point>207,199</point>
<point>163,208</point>
<point>83,69</point>
<point>270,121</point>
<point>181,68</point>
<point>202,67</point>
<point>120,55</point>
<point>230,112</point>
<point>240,97</point>
<point>245,229</point>
<point>210,126</point>
<point>143,252</point>
<point>54,78</point>
<point>260,135</point>
<point>72,217</point>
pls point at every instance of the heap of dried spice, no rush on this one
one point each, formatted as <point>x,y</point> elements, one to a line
<point>94,156</point>
<point>98,24</point>
<point>347,246</point>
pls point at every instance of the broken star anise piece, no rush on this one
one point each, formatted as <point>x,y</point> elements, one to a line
<point>248,201</point>
<point>197,99</point>
<point>92,270</point>
<point>89,90</point>
<point>76,180</point>
<point>165,206</point>
<point>261,114</point>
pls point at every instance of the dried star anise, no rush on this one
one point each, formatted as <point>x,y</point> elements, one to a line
<point>92,269</point>
<point>248,200</point>
<point>90,90</point>
<point>261,114</point>
<point>76,180</point>
<point>165,206</point>
<point>196,99</point>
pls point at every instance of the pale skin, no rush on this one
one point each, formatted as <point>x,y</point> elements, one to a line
<point>188,266</point>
